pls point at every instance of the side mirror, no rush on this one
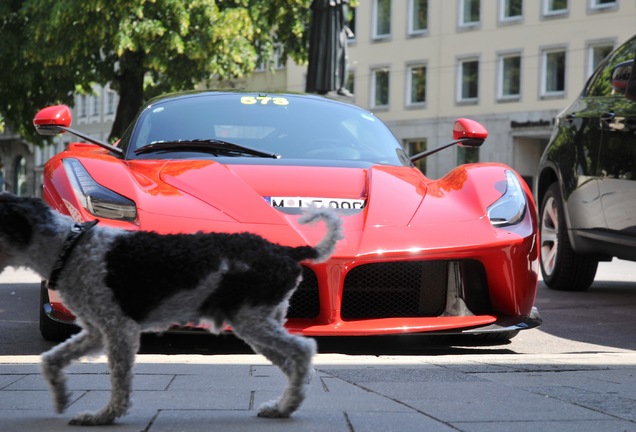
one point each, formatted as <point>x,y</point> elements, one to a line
<point>466,133</point>
<point>51,120</point>
<point>56,119</point>
<point>469,133</point>
<point>621,76</point>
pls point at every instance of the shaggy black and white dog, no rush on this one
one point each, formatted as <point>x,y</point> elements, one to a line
<point>121,283</point>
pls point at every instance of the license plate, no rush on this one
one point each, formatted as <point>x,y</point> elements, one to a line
<point>301,202</point>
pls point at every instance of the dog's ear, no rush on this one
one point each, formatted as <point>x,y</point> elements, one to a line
<point>15,224</point>
<point>20,229</point>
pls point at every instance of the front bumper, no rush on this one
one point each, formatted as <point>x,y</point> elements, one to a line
<point>474,325</point>
<point>474,289</point>
<point>445,325</point>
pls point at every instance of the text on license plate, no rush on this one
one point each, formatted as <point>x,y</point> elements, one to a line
<point>300,202</point>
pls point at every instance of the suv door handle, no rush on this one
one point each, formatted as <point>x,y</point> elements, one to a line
<point>608,116</point>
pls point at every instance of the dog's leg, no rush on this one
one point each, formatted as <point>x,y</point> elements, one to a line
<point>291,353</point>
<point>122,344</point>
<point>54,361</point>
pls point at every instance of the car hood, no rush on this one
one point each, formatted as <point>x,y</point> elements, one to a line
<point>188,196</point>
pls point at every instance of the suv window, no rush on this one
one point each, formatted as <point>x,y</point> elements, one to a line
<point>619,63</point>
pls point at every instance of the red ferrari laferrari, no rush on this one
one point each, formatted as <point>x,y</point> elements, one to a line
<point>453,255</point>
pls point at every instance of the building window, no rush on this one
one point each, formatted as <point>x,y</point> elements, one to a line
<point>278,58</point>
<point>468,80</point>
<point>351,82</point>
<point>381,19</point>
<point>1,175</point>
<point>81,109</point>
<point>416,85</point>
<point>418,16</point>
<point>261,66</point>
<point>20,177</point>
<point>415,146</point>
<point>110,102</point>
<point>273,63</point>
<point>553,73</point>
<point>95,99</point>
<point>509,73</point>
<point>555,7</point>
<point>596,54</point>
<point>603,4</point>
<point>467,155</point>
<point>510,10</point>
<point>469,13</point>
<point>380,88</point>
<point>351,23</point>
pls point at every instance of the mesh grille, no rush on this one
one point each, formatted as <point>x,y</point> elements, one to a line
<point>395,289</point>
<point>305,303</point>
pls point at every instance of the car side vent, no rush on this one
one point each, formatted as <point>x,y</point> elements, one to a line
<point>476,293</point>
<point>305,303</point>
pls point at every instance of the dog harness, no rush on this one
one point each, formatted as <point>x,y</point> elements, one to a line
<point>77,230</point>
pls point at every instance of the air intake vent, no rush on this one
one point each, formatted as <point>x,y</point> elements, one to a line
<point>395,289</point>
<point>305,303</point>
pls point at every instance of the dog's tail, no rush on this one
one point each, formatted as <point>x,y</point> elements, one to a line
<point>323,250</point>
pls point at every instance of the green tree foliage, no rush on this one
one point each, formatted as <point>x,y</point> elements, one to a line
<point>53,48</point>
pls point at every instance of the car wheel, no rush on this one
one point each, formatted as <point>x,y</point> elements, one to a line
<point>52,330</point>
<point>562,268</point>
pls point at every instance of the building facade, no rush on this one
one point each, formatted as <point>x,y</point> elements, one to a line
<point>22,163</point>
<point>16,164</point>
<point>512,65</point>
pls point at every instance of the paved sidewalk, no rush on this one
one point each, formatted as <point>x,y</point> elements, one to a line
<point>592,389</point>
<point>348,393</point>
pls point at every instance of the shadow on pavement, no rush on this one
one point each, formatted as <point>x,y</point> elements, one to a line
<point>603,315</point>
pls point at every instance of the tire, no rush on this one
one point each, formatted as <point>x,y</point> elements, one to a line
<point>52,330</point>
<point>562,268</point>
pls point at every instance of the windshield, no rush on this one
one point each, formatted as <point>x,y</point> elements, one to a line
<point>292,127</point>
<point>213,146</point>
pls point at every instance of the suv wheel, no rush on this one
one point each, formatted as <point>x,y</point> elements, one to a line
<point>562,268</point>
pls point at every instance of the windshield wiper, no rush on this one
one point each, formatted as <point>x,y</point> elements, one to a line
<point>214,146</point>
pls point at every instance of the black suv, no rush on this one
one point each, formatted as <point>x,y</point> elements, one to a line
<point>586,183</point>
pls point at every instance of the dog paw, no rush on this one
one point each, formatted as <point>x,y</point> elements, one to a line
<point>61,402</point>
<point>91,419</point>
<point>310,375</point>
<point>271,410</point>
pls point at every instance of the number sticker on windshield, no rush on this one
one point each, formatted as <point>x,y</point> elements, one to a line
<point>264,100</point>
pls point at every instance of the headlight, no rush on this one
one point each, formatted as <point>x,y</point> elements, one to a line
<point>95,198</point>
<point>511,207</point>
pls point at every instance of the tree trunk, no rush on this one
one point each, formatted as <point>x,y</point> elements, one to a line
<point>131,94</point>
